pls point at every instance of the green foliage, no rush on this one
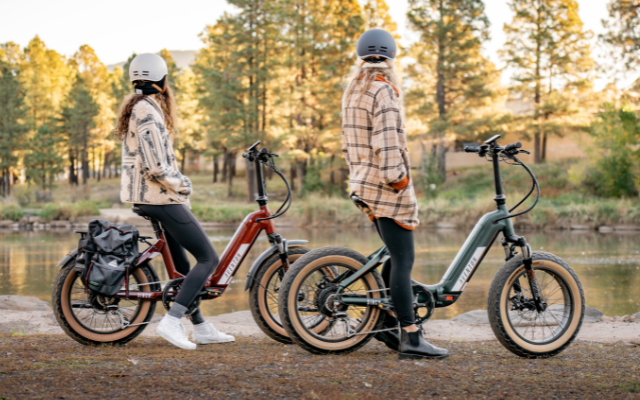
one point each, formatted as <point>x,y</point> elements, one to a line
<point>12,113</point>
<point>44,160</point>
<point>222,213</point>
<point>622,33</point>
<point>452,82</point>
<point>11,211</point>
<point>550,54</point>
<point>54,211</point>
<point>615,158</point>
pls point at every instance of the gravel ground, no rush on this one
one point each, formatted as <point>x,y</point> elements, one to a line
<point>54,366</point>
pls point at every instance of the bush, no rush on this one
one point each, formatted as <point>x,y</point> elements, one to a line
<point>222,214</point>
<point>12,212</point>
<point>53,211</point>
<point>84,208</point>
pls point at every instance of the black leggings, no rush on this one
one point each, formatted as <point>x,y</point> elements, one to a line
<point>183,231</point>
<point>396,271</point>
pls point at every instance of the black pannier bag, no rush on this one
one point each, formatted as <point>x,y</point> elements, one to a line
<point>110,251</point>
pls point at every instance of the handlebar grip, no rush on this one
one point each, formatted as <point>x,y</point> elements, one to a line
<point>470,149</point>
<point>513,146</point>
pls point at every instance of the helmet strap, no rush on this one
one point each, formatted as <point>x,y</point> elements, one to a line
<point>150,87</point>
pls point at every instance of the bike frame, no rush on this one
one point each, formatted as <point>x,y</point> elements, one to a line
<point>233,255</point>
<point>468,259</point>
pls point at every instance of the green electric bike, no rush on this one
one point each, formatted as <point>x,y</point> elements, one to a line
<point>333,300</point>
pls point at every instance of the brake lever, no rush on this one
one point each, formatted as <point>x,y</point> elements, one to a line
<point>524,151</point>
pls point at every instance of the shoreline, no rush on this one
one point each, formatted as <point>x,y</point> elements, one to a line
<point>24,315</point>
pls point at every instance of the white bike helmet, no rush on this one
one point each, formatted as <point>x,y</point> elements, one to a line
<point>148,73</point>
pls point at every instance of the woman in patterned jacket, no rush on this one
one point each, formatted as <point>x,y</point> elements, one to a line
<point>375,148</point>
<point>151,180</point>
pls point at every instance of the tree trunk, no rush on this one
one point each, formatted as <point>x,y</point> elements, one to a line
<point>230,168</point>
<point>442,160</point>
<point>292,177</point>
<point>72,168</point>
<point>215,169</point>
<point>184,157</point>
<point>544,147</point>
<point>300,170</point>
<point>85,161</point>
<point>536,136</point>
<point>225,166</point>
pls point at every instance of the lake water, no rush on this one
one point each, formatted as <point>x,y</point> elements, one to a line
<point>608,265</point>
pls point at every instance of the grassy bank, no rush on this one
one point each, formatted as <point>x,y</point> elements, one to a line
<point>465,197</point>
<point>41,366</point>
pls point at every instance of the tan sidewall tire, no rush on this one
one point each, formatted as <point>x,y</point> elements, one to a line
<point>97,337</point>
<point>503,326</point>
<point>372,315</point>
<point>262,308</point>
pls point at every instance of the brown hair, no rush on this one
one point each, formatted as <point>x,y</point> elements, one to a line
<point>166,101</point>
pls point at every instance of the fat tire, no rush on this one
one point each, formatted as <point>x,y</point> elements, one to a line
<point>254,293</point>
<point>57,294</point>
<point>286,287</point>
<point>494,302</point>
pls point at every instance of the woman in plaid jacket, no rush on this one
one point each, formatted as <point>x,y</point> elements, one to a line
<point>374,145</point>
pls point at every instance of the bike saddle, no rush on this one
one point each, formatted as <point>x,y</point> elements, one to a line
<point>139,212</point>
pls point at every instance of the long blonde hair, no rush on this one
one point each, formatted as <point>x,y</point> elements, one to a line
<point>361,78</point>
<point>166,101</point>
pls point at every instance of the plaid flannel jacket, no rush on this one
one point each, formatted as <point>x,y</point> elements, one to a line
<point>374,145</point>
<point>149,169</point>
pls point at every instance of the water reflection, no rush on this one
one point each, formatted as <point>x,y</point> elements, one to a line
<point>607,264</point>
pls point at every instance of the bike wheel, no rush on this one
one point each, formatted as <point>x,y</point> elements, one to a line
<point>518,325</point>
<point>306,302</point>
<point>263,295</point>
<point>92,319</point>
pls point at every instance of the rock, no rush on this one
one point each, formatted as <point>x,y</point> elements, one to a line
<point>623,343</point>
<point>575,227</point>
<point>636,317</point>
<point>23,303</point>
<point>592,314</point>
<point>446,225</point>
<point>606,318</point>
<point>29,219</point>
<point>605,229</point>
<point>473,317</point>
<point>86,219</point>
<point>60,224</point>
<point>6,223</point>
<point>627,228</point>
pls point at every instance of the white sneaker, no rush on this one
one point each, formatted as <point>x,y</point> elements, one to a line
<point>171,329</point>
<point>205,333</point>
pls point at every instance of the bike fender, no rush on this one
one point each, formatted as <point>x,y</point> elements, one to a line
<point>265,254</point>
<point>67,258</point>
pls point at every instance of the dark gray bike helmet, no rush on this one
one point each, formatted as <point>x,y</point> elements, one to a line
<point>376,42</point>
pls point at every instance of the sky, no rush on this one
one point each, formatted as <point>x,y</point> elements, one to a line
<point>118,28</point>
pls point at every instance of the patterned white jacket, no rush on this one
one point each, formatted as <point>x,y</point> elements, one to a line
<point>150,172</point>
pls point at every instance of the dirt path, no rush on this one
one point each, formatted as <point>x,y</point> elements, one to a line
<point>53,366</point>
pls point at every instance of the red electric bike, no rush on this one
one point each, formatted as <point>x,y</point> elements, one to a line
<point>92,318</point>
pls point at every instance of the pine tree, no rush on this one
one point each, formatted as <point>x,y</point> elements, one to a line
<point>449,68</point>
<point>172,68</point>
<point>12,114</point>
<point>622,36</point>
<point>95,78</point>
<point>376,15</point>
<point>549,51</point>
<point>46,79</point>
<point>43,161</point>
<point>78,119</point>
